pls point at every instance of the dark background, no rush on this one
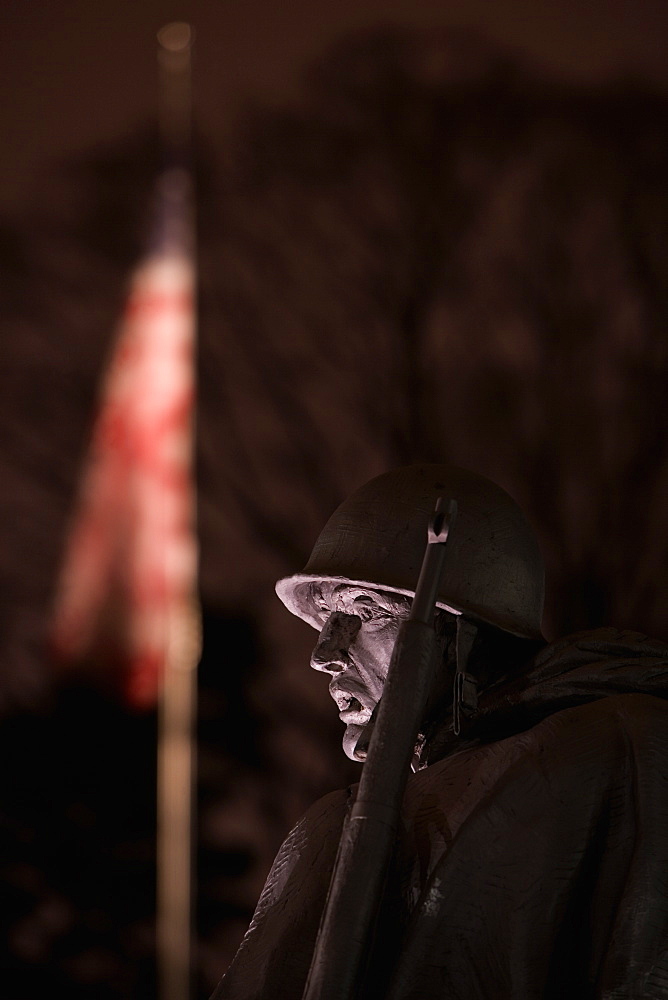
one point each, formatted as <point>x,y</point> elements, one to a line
<point>424,234</point>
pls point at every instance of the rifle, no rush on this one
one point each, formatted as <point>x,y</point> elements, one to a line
<point>369,833</point>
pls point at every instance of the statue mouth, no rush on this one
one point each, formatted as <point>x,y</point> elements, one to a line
<point>354,714</point>
<point>352,710</point>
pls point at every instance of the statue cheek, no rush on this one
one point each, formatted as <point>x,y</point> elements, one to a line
<point>375,682</point>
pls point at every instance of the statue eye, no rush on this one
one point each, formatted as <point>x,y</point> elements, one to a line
<point>366,608</point>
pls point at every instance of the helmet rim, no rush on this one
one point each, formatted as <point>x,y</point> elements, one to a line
<point>291,591</point>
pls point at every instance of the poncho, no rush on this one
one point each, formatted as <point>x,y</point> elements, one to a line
<point>532,858</point>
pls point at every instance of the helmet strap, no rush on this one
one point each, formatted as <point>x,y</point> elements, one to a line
<point>465,694</point>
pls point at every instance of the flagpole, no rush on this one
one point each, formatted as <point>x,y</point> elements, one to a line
<point>177,704</point>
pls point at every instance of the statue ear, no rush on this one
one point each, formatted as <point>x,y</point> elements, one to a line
<point>465,694</point>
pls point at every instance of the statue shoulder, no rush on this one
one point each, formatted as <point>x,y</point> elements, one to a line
<point>275,954</point>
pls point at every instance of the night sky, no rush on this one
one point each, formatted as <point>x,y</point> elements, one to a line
<point>75,74</point>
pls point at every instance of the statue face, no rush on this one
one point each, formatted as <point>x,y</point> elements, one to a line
<point>355,647</point>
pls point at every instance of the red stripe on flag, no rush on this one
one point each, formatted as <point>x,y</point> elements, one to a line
<point>144,306</point>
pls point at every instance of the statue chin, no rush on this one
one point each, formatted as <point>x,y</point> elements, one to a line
<point>350,738</point>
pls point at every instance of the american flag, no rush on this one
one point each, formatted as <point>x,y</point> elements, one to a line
<point>129,571</point>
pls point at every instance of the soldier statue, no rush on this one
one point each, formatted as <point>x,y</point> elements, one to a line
<point>530,857</point>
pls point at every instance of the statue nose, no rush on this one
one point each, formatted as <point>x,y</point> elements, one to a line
<point>331,651</point>
<point>329,663</point>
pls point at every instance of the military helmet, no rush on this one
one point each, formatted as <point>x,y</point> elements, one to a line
<point>376,539</point>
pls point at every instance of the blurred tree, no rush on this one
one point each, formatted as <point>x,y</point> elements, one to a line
<point>436,255</point>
